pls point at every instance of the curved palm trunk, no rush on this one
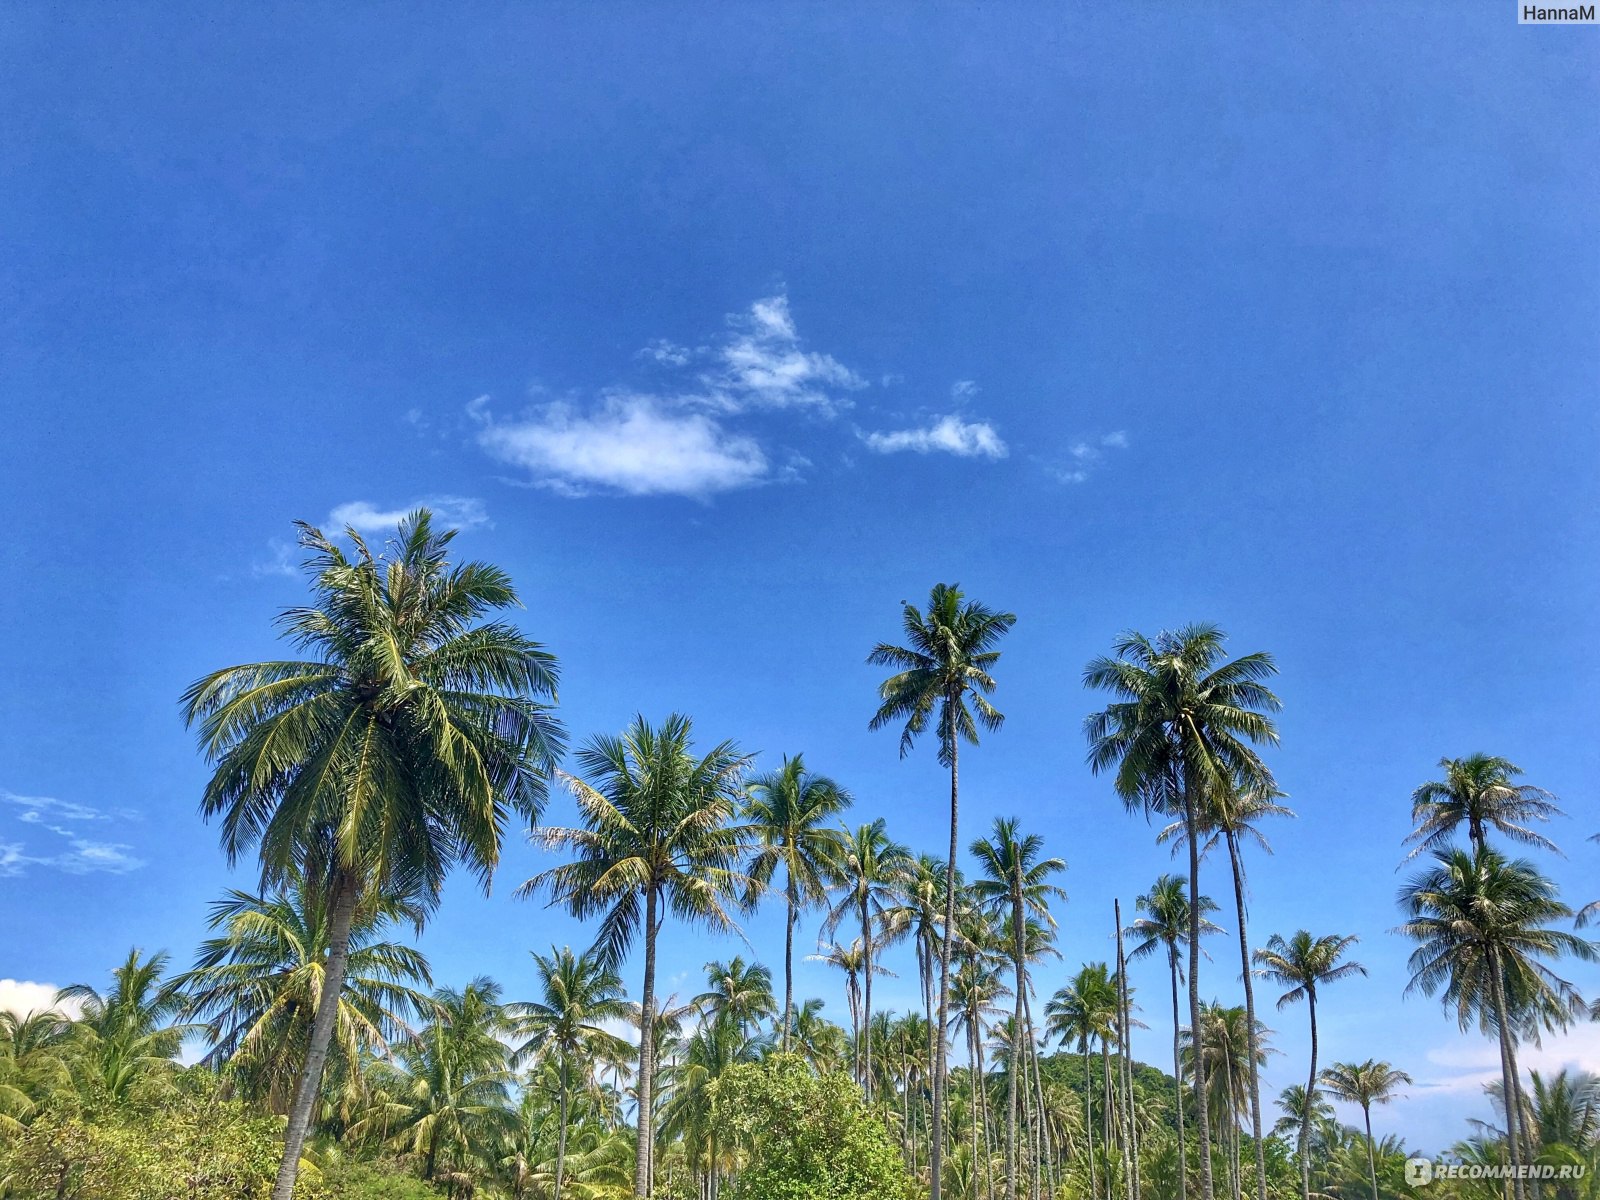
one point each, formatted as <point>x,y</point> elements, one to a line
<point>1508,1079</point>
<point>936,1133</point>
<point>866,1001</point>
<point>1251,1037</point>
<point>1019,972</point>
<point>644,1142</point>
<point>346,894</point>
<point>788,964</point>
<point>561,1134</point>
<point>1177,1074</point>
<point>1372,1158</point>
<point>1202,1104</point>
<point>1311,1099</point>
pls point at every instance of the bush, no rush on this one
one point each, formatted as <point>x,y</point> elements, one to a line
<point>196,1146</point>
<point>806,1137</point>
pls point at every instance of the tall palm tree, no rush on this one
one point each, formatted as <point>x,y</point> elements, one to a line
<point>975,989</point>
<point>1085,1011</point>
<point>1165,927</point>
<point>1480,792</point>
<point>257,984</point>
<point>689,1112</point>
<point>942,674</point>
<point>1183,725</point>
<point>816,1039</point>
<point>1015,883</point>
<point>739,993</point>
<point>656,839</point>
<point>576,994</point>
<point>791,812</point>
<point>449,1095</point>
<point>1302,964</point>
<point>1231,817</point>
<point>131,1032</point>
<point>872,870</point>
<point>920,917</point>
<point>402,746</point>
<point>1366,1083</point>
<point>1482,924</point>
<point>1227,1046</point>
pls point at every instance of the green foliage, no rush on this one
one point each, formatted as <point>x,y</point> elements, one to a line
<point>807,1137</point>
<point>195,1145</point>
<point>377,1181</point>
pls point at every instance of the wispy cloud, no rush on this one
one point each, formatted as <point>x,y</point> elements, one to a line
<point>281,561</point>
<point>762,364</point>
<point>632,444</point>
<point>1084,457</point>
<point>947,435</point>
<point>458,512</point>
<point>71,851</point>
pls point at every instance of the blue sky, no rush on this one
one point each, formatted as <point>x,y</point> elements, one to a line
<point>726,329</point>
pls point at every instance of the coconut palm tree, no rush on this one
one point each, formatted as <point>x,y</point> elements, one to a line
<point>449,1095</point>
<point>129,1034</point>
<point>920,917</point>
<point>688,1114</point>
<point>1084,1011</point>
<point>577,993</point>
<point>1231,818</point>
<point>790,812</point>
<point>942,674</point>
<point>656,840</point>
<point>1014,883</point>
<point>35,1049</point>
<point>1303,964</point>
<point>975,990</point>
<point>402,746</point>
<point>1480,792</point>
<point>1165,928</point>
<point>872,871</point>
<point>737,992</point>
<point>816,1039</point>
<point>1227,1046</point>
<point>1482,924</point>
<point>256,985</point>
<point>1183,725</point>
<point>1366,1083</point>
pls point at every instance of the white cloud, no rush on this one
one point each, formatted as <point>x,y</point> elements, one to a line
<point>281,562</point>
<point>1085,456</point>
<point>667,353</point>
<point>634,444</point>
<point>1469,1062</point>
<point>23,996</point>
<point>76,855</point>
<point>458,512</point>
<point>764,366</point>
<point>949,435</point>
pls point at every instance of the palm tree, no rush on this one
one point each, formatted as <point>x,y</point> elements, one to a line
<point>450,1093</point>
<point>1015,884</point>
<point>816,1039</point>
<point>1366,1083</point>
<point>576,993</point>
<point>1182,727</point>
<point>945,664</point>
<point>1227,1047</point>
<point>1480,792</point>
<point>130,1033</point>
<point>1482,925</point>
<point>1302,1113</point>
<point>258,982</point>
<point>689,1113</point>
<point>1165,926</point>
<point>1302,965</point>
<point>739,993</point>
<point>1083,1011</point>
<point>975,989</point>
<point>920,916</point>
<point>1231,818</point>
<point>790,811</point>
<point>400,748</point>
<point>35,1048</point>
<point>872,869</point>
<point>655,840</point>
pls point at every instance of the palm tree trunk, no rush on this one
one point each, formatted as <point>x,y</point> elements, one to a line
<point>983,1095</point>
<point>1125,1007</point>
<point>1508,1078</point>
<point>1311,1099</point>
<point>1046,1141</point>
<point>936,1135</point>
<point>1202,1103</point>
<point>1088,1114</point>
<point>1372,1158</point>
<point>1251,1037</point>
<point>561,1135</point>
<point>346,894</point>
<point>1177,1075</point>
<point>788,962</point>
<point>977,1099</point>
<point>642,1173</point>
<point>1019,973</point>
<point>866,1018</point>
